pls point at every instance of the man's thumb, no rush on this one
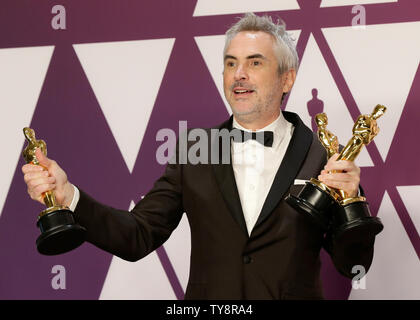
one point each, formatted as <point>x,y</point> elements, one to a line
<point>43,160</point>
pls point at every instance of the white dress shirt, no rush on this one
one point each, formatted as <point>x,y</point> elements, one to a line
<point>75,199</point>
<point>255,167</point>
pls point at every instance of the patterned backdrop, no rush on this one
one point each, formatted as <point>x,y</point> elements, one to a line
<point>98,79</point>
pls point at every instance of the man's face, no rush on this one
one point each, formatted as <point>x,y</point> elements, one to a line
<point>252,84</point>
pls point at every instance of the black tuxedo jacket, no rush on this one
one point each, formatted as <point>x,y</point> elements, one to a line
<point>279,260</point>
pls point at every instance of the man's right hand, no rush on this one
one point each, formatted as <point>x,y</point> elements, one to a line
<point>45,177</point>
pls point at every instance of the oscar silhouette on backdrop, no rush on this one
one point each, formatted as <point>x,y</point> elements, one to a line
<point>315,106</point>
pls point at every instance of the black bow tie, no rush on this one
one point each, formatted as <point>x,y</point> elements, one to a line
<point>263,137</point>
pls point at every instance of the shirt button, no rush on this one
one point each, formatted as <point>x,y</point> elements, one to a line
<point>247,259</point>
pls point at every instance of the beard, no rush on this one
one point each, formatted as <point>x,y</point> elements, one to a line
<point>264,106</point>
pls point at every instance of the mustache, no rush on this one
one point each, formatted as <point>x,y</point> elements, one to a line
<point>242,85</point>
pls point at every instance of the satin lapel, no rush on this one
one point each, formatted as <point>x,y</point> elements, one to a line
<point>293,159</point>
<point>226,181</point>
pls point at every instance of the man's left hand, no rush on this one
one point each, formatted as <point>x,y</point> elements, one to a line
<point>343,174</point>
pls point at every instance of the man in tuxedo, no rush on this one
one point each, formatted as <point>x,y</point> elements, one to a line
<point>246,241</point>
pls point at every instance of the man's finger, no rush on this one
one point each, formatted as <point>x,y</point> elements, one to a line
<point>334,157</point>
<point>349,187</point>
<point>35,175</point>
<point>40,189</point>
<point>339,177</point>
<point>43,160</point>
<point>31,168</point>
<point>32,184</point>
<point>341,165</point>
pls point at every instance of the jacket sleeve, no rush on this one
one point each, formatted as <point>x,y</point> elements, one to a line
<point>133,235</point>
<point>347,255</point>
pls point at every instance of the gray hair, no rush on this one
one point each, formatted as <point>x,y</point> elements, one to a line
<point>286,49</point>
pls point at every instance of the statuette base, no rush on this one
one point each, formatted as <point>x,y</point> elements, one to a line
<point>59,232</point>
<point>314,202</point>
<point>354,221</point>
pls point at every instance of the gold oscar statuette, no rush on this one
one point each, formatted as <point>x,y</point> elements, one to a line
<point>59,231</point>
<point>330,208</point>
<point>326,137</point>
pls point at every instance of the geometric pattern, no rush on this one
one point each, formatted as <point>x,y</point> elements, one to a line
<point>392,276</point>
<point>141,280</point>
<point>410,196</point>
<point>178,248</point>
<point>144,279</point>
<point>211,48</point>
<point>126,77</point>
<point>22,73</point>
<point>217,7</point>
<point>334,3</point>
<point>385,49</point>
<point>302,97</point>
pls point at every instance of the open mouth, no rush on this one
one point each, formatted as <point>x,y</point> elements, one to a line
<point>242,92</point>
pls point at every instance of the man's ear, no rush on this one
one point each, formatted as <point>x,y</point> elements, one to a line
<point>289,78</point>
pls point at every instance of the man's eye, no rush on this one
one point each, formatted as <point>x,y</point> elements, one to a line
<point>256,63</point>
<point>230,64</point>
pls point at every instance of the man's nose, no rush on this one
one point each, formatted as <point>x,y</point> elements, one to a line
<point>241,73</point>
